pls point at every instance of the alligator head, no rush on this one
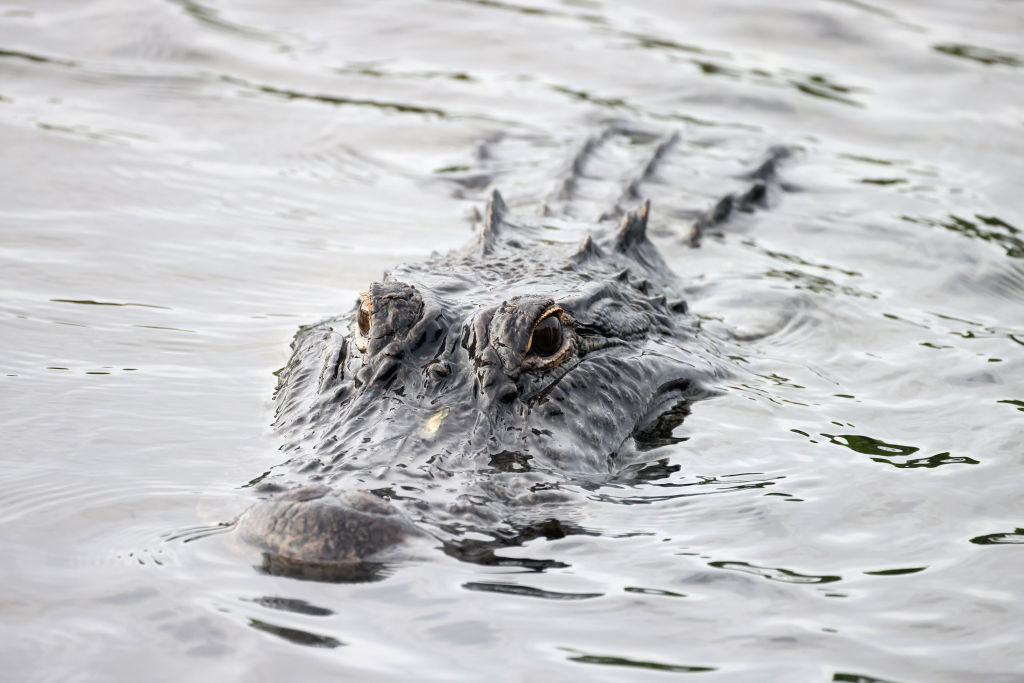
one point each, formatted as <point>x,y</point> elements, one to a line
<point>470,395</point>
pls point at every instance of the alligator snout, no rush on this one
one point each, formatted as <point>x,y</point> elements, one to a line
<point>317,528</point>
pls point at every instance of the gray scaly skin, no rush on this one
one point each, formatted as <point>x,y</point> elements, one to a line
<point>485,389</point>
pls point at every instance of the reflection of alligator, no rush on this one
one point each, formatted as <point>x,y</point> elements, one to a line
<point>467,398</point>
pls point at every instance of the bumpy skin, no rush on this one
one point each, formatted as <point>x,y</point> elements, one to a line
<point>321,526</point>
<point>433,414</point>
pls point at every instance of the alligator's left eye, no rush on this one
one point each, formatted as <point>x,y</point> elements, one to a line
<point>550,341</point>
<point>547,337</point>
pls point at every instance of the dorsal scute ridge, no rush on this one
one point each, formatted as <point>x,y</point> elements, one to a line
<point>589,249</point>
<point>496,209</point>
<point>634,228</point>
<point>494,217</point>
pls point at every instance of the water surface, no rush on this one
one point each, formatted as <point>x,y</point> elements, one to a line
<point>183,184</point>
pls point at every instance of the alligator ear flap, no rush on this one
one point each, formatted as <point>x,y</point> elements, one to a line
<point>494,217</point>
<point>634,228</point>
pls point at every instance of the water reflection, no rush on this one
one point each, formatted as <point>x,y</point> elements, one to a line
<point>817,283</point>
<point>882,181</point>
<point>703,486</point>
<point>39,59</point>
<point>611,660</point>
<point>527,591</point>
<point>826,88</point>
<point>294,635</point>
<point>985,228</point>
<point>652,42</point>
<point>91,302</point>
<point>189,534</point>
<point>211,17</point>
<point>519,9</point>
<point>800,260</point>
<point>895,454</point>
<point>292,605</point>
<point>774,573</point>
<point>337,100</point>
<point>895,572</point>
<point>982,55</point>
<point>1012,537</point>
<point>484,552</point>
<point>845,677</point>
<point>654,591</point>
<point>328,572</point>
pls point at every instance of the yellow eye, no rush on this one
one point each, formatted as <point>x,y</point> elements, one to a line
<point>551,341</point>
<point>365,316</point>
<point>547,337</point>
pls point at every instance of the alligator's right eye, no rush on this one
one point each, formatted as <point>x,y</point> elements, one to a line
<point>365,316</point>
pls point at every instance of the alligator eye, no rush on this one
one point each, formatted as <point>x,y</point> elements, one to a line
<point>364,317</point>
<point>547,337</point>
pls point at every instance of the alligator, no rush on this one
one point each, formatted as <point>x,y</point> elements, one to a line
<point>472,399</point>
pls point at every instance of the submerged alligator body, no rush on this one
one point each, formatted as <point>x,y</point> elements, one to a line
<point>472,400</point>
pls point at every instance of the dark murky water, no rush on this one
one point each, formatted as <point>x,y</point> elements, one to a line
<point>182,184</point>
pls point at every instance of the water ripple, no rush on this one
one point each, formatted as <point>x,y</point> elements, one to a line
<point>895,454</point>
<point>526,591</point>
<point>846,677</point>
<point>38,59</point>
<point>1011,537</point>
<point>775,573</point>
<point>981,55</point>
<point>985,228</point>
<point>337,100</point>
<point>209,16</point>
<point>610,660</point>
<point>294,635</point>
<point>225,159</point>
<point>90,302</point>
<point>293,605</point>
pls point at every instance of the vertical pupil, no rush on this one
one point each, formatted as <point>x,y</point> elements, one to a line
<point>364,320</point>
<point>547,336</point>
